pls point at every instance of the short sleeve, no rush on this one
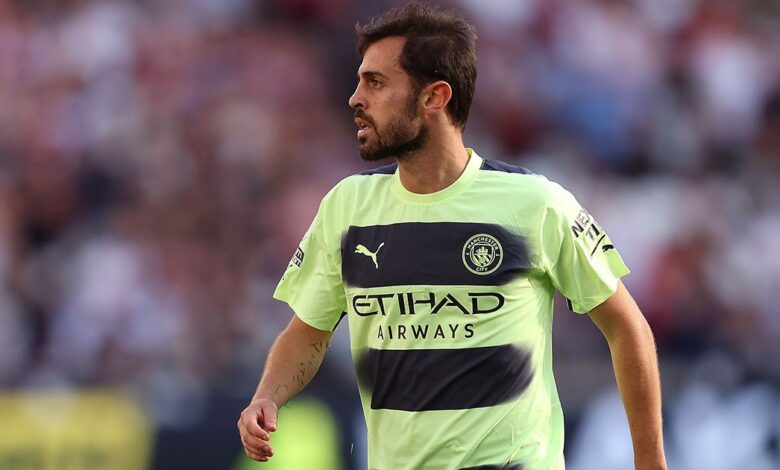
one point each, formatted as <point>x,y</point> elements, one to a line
<point>312,285</point>
<point>579,256</point>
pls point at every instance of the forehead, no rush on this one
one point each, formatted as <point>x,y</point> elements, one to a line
<point>384,56</point>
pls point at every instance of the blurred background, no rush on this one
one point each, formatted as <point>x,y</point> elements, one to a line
<point>160,160</point>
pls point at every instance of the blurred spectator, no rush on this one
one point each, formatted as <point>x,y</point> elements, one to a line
<point>159,162</point>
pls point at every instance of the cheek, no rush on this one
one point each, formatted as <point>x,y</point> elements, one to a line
<point>391,109</point>
<point>390,102</point>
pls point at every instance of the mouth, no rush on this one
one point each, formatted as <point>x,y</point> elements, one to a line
<point>363,128</point>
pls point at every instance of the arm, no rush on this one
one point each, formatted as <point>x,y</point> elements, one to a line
<point>293,360</point>
<point>634,359</point>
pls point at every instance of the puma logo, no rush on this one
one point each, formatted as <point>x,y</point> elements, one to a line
<point>365,251</point>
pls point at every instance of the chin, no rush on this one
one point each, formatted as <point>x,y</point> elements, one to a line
<point>367,155</point>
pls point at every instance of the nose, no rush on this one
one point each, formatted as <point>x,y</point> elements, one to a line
<point>356,100</point>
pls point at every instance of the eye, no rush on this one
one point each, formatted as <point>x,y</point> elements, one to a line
<point>375,83</point>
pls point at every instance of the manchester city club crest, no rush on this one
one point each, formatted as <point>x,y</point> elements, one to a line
<point>482,254</point>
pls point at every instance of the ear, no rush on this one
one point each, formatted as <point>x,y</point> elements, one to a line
<point>435,97</point>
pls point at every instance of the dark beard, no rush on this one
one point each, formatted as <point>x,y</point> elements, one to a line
<point>398,138</point>
<point>398,143</point>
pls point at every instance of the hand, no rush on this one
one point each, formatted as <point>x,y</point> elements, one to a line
<point>255,424</point>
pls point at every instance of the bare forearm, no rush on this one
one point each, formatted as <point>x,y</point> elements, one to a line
<point>636,370</point>
<point>293,360</point>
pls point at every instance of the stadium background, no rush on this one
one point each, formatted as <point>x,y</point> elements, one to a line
<point>160,160</point>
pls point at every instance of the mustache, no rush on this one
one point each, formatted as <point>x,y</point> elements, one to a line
<point>360,114</point>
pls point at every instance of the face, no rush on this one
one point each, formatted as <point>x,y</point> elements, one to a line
<point>385,104</point>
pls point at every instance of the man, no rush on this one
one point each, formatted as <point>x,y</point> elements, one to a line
<point>445,265</point>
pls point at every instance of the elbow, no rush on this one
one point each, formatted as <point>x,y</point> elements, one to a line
<point>637,332</point>
<point>638,335</point>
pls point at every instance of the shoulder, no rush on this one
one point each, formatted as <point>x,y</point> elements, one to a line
<point>352,186</point>
<point>382,170</point>
<point>503,167</point>
<point>523,182</point>
<point>359,181</point>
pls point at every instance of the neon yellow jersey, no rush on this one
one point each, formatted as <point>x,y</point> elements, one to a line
<point>449,298</point>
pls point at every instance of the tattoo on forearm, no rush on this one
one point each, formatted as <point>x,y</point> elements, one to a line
<point>320,346</point>
<point>278,390</point>
<point>311,364</point>
<point>305,369</point>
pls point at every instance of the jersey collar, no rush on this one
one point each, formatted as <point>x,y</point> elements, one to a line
<point>472,168</point>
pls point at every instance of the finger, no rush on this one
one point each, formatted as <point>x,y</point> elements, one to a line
<point>268,419</point>
<point>257,452</point>
<point>255,456</point>
<point>257,446</point>
<point>254,448</point>
<point>252,427</point>
<point>256,443</point>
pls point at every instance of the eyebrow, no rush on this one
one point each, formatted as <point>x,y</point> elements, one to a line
<point>371,74</point>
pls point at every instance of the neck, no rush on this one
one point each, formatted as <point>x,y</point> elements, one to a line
<point>435,166</point>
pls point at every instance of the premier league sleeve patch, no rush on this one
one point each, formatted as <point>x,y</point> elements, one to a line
<point>297,258</point>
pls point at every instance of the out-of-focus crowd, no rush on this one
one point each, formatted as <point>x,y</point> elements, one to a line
<point>159,161</point>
